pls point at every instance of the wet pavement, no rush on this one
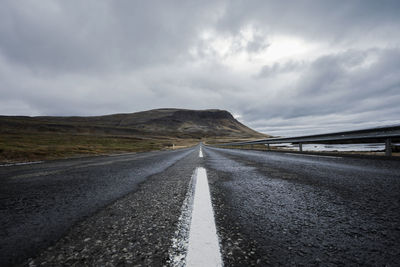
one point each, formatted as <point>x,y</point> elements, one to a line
<point>285,209</point>
<point>271,209</point>
<point>40,202</point>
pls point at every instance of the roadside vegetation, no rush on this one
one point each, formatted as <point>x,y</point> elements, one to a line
<point>22,147</point>
<point>42,138</point>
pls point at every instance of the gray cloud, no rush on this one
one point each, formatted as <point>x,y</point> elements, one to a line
<point>100,57</point>
<point>279,68</point>
<point>60,36</point>
<point>333,20</point>
<point>344,85</point>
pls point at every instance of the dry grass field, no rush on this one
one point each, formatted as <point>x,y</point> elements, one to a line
<point>42,138</point>
<point>22,147</point>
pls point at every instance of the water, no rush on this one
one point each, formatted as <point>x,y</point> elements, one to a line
<point>372,147</point>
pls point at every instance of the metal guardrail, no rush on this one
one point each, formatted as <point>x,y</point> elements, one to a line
<point>386,135</point>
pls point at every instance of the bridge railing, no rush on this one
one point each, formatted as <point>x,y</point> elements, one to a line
<point>386,135</point>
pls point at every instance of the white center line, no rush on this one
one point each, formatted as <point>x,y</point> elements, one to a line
<point>20,163</point>
<point>200,153</point>
<point>203,249</point>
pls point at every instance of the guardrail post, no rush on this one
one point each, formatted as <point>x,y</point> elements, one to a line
<point>388,147</point>
<point>300,147</point>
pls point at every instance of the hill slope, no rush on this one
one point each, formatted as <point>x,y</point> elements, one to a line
<point>37,138</point>
<point>179,123</point>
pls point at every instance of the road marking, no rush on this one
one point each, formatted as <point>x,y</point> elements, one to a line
<point>318,156</point>
<point>196,242</point>
<point>20,163</point>
<point>200,153</point>
<point>203,247</point>
<point>122,154</point>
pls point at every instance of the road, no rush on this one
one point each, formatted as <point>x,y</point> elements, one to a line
<point>270,208</point>
<point>291,209</point>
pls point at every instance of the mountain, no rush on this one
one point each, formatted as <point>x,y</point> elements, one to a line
<point>25,139</point>
<point>178,123</point>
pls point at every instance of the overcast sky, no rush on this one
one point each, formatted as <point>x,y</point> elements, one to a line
<point>281,67</point>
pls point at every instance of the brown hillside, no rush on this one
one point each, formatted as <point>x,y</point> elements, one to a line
<point>179,123</point>
<point>39,138</point>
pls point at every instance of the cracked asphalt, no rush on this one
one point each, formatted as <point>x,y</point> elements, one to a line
<point>271,209</point>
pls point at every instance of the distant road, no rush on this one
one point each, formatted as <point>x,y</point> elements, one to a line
<point>270,208</point>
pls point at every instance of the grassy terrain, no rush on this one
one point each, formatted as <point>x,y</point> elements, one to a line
<point>21,147</point>
<point>25,138</point>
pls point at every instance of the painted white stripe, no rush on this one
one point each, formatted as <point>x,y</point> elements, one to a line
<point>121,154</point>
<point>20,163</point>
<point>200,153</point>
<point>317,156</point>
<point>203,247</point>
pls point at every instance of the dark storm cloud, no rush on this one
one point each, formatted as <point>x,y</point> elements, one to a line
<point>336,82</point>
<point>334,20</point>
<point>339,65</point>
<point>64,36</point>
<point>363,86</point>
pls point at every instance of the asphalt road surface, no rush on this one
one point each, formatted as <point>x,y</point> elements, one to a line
<point>270,209</point>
